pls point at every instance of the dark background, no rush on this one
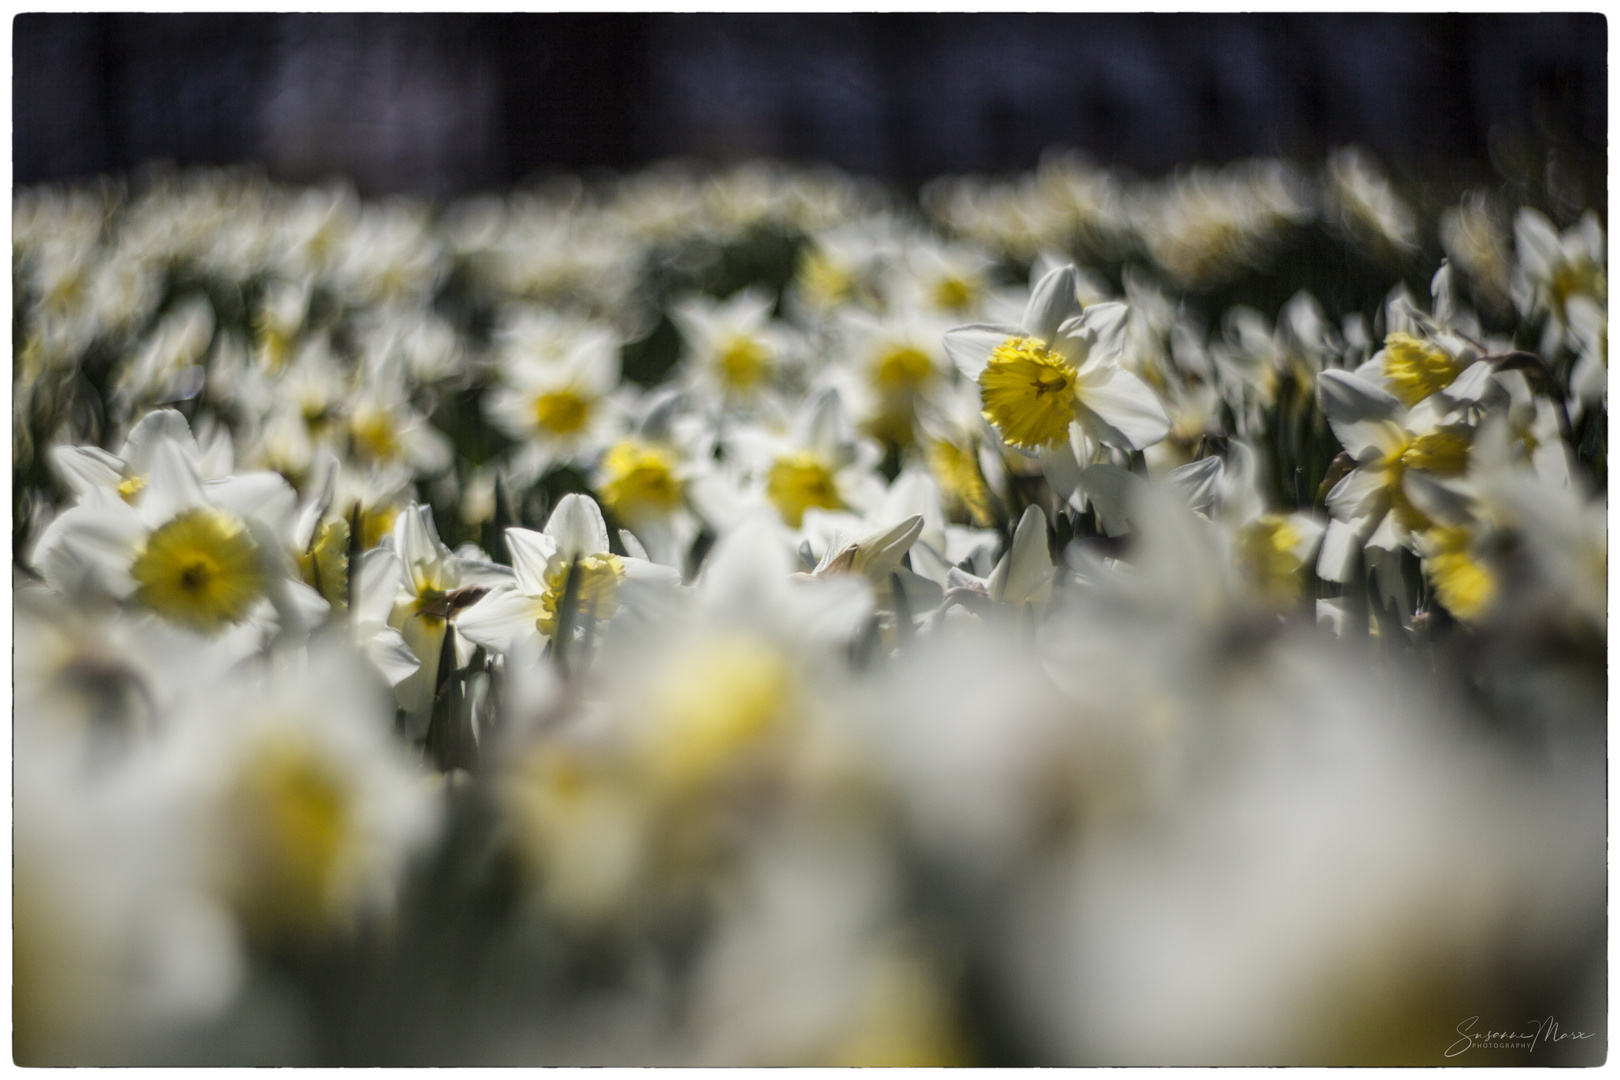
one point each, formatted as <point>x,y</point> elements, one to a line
<point>446,104</point>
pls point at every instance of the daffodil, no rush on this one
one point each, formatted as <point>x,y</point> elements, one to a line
<point>820,462</point>
<point>557,394</point>
<point>894,365</point>
<point>1368,206</point>
<point>573,545</point>
<point>734,350</point>
<point>435,586</point>
<point>84,467</point>
<point>306,807</point>
<point>1372,505</point>
<point>1056,377</point>
<point>205,556</point>
<point>1553,268</point>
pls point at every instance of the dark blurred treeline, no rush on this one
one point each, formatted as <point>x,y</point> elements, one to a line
<point>446,104</point>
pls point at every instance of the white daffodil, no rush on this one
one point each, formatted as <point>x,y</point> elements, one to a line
<point>304,806</point>
<point>642,481</point>
<point>819,462</point>
<point>434,587</point>
<point>950,280</point>
<point>1021,580</point>
<point>168,366</point>
<point>1054,382</point>
<point>574,541</point>
<point>892,363</point>
<point>84,467</point>
<point>734,350</point>
<point>1553,268</point>
<point>1368,206</point>
<point>560,406</point>
<point>1269,549</point>
<point>206,556</point>
<point>845,265</point>
<point>1372,505</point>
<point>1412,367</point>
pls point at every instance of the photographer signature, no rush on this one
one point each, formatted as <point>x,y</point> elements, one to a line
<point>1543,1031</point>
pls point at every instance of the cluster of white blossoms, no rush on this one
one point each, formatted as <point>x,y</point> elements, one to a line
<point>750,619</point>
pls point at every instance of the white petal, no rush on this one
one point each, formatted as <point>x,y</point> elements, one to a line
<point>929,563</point>
<point>1102,327</point>
<point>748,566</point>
<point>1472,384</point>
<point>173,486</point>
<point>645,570</point>
<point>1339,548</point>
<point>1369,441</point>
<point>1061,467</point>
<point>81,468</point>
<point>1349,399</point>
<point>1198,482</point>
<point>969,347</point>
<point>531,553</point>
<point>1309,528</point>
<point>388,651</point>
<point>415,694</point>
<point>417,544</point>
<point>1356,494</point>
<point>1053,301</point>
<point>95,542</point>
<point>263,495</point>
<point>577,527</point>
<point>159,425</point>
<point>1026,572</point>
<point>632,546</point>
<point>1130,413</point>
<point>878,553</point>
<point>504,616</point>
<point>827,609</point>
<point>317,501</point>
<point>1110,489</point>
<point>380,577</point>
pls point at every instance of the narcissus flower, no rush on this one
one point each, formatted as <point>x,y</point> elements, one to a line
<point>1056,377</point>
<point>574,543</point>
